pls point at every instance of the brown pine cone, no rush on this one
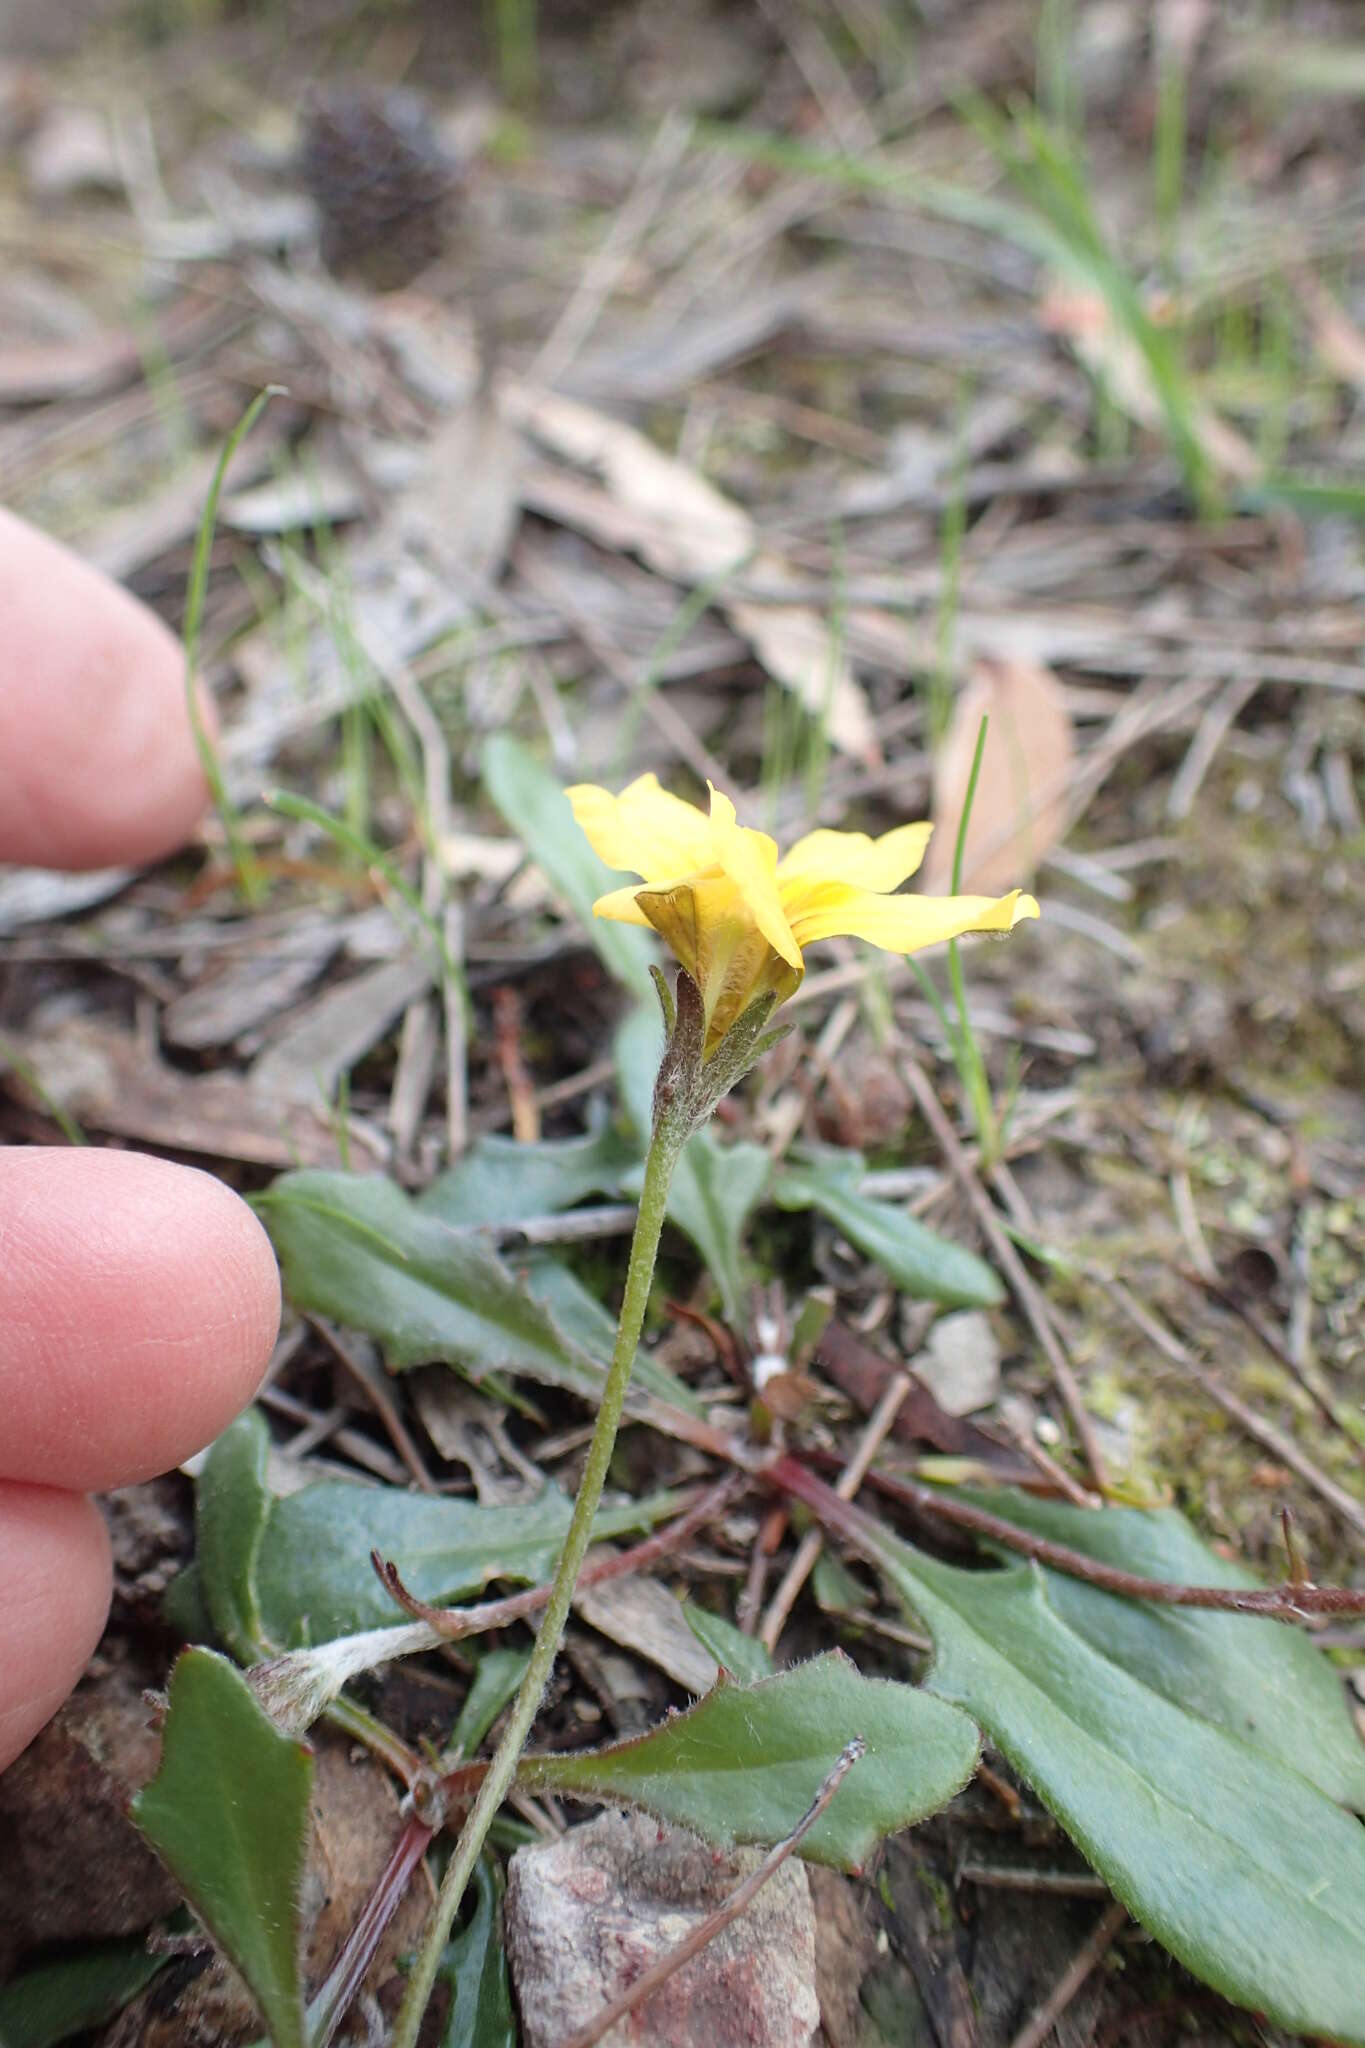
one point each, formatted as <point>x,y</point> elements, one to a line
<point>374,166</point>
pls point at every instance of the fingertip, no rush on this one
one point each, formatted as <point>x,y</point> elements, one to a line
<point>98,762</point>
<point>55,1577</point>
<point>139,1302</point>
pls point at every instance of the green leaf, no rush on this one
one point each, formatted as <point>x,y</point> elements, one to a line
<point>355,1248</point>
<point>497,1675</point>
<point>500,1181</point>
<point>584,1321</point>
<point>1261,1680</point>
<point>715,1187</point>
<point>183,1609</point>
<point>476,1969</point>
<point>535,806</point>
<point>228,1813</point>
<point>313,1570</point>
<point>744,1657</point>
<point>231,1505</point>
<point>80,1991</point>
<point>834,1588</point>
<point>715,1190</point>
<point>1315,496</point>
<point>575,1310</point>
<point>920,1262</point>
<point>1247,1873</point>
<point>744,1764</point>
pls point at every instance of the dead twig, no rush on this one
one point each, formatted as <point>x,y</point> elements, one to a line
<point>771,1530</point>
<point>1046,1465</point>
<point>520,1088</point>
<point>740,1898</point>
<point>607,266</point>
<point>1029,1297</point>
<point>1036,2030</point>
<point>1017,1877</point>
<point>568,1226</point>
<point>379,1398</point>
<point>846,1486</point>
<point>1212,730</point>
<point>1280,1446</point>
<point>1225,1298</point>
<point>330,2003</point>
<point>553,1096</point>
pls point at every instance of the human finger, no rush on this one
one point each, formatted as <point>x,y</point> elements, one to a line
<point>138,1304</point>
<point>98,764</point>
<point>54,1595</point>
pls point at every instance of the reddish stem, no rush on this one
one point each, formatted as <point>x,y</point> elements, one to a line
<point>454,1622</point>
<point>328,2006</point>
<point>1276,1603</point>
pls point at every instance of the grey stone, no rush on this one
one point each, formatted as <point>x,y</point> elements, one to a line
<point>585,1915</point>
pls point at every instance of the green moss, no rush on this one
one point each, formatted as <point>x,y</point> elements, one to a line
<point>938,1893</point>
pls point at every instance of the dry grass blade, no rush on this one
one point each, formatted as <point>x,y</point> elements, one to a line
<point>1282,1448</point>
<point>1114,357</point>
<point>846,1486</point>
<point>1030,1299</point>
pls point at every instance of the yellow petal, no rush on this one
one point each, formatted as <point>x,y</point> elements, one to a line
<point>675,915</point>
<point>754,970</point>
<point>903,924</point>
<point>622,906</point>
<point>705,921</point>
<point>881,864</point>
<point>750,860</point>
<point>644,830</point>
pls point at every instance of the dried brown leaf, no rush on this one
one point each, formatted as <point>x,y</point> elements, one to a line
<point>105,1078</point>
<point>686,529</point>
<point>646,1618</point>
<point>1019,810</point>
<point>1336,336</point>
<point>864,1374</point>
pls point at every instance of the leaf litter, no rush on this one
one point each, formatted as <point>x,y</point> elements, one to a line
<point>717,537</point>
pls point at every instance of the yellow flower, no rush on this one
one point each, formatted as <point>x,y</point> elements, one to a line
<point>739,919</point>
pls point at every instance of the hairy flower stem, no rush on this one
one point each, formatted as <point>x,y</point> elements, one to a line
<point>670,1134</point>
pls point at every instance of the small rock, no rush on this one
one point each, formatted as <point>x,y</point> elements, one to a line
<point>960,1364</point>
<point>584,1916</point>
<point>74,1867</point>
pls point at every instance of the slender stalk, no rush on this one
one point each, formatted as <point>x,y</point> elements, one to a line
<point>971,1066</point>
<point>328,2007</point>
<point>454,1623</point>
<point>388,1748</point>
<point>665,1145</point>
<point>244,862</point>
